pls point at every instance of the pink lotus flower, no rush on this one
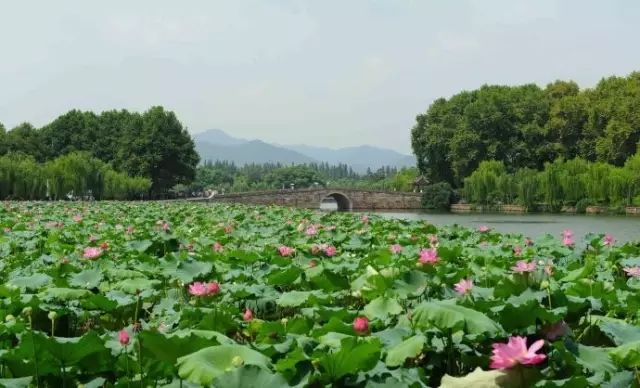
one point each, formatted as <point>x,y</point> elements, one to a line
<point>364,219</point>
<point>433,240</point>
<point>123,337</point>
<point>395,248</point>
<point>567,233</point>
<point>129,229</point>
<point>528,242</point>
<point>166,226</point>
<point>428,256</point>
<point>523,266</point>
<point>248,315</point>
<point>567,241</point>
<point>286,251</point>
<point>633,271</point>
<point>313,264</point>
<point>92,252</point>
<point>311,230</point>
<point>204,289</point>
<point>213,288</point>
<point>608,240</point>
<point>330,251</point>
<point>464,286</point>
<point>361,325</point>
<point>517,251</point>
<point>483,228</point>
<point>217,247</point>
<point>77,218</point>
<point>515,352</point>
<point>198,289</point>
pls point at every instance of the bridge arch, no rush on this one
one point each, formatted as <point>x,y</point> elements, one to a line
<point>344,202</point>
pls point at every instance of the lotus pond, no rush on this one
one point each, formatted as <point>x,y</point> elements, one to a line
<point>180,295</point>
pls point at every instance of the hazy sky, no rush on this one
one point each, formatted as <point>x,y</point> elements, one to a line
<point>330,72</point>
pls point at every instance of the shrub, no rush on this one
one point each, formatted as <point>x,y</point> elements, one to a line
<point>437,196</point>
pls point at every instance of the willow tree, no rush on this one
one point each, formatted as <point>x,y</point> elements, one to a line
<point>551,184</point>
<point>621,187</point>
<point>573,180</point>
<point>482,185</point>
<point>597,179</point>
<point>528,185</point>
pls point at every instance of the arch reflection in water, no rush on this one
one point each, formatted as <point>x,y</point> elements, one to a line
<point>336,202</point>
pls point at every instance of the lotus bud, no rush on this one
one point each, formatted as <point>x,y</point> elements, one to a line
<point>284,321</point>
<point>27,311</point>
<point>9,318</point>
<point>52,315</point>
<point>544,284</point>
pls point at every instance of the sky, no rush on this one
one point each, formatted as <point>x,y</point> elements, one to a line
<point>325,72</point>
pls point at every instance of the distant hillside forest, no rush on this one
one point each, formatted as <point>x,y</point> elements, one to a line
<point>526,126</point>
<point>130,155</point>
<point>229,177</point>
<point>114,154</point>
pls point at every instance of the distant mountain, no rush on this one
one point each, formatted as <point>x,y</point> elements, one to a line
<point>359,158</point>
<point>216,144</point>
<point>218,137</point>
<point>254,151</point>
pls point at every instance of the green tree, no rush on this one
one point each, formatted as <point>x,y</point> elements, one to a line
<point>27,140</point>
<point>156,145</point>
<point>551,184</point>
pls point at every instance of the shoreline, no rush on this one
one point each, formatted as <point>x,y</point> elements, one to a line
<point>458,208</point>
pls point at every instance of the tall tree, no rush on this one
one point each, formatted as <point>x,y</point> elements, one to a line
<point>156,145</point>
<point>526,126</point>
<point>26,139</point>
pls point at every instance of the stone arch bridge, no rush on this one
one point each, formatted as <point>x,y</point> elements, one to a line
<point>347,199</point>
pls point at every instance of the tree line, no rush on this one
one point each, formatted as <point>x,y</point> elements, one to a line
<point>574,182</point>
<point>224,175</point>
<point>526,127</point>
<point>143,147</point>
<point>75,174</point>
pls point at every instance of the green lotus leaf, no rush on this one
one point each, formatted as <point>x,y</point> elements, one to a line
<point>63,294</point>
<point>409,348</point>
<point>203,366</point>
<point>89,278</point>
<point>32,282</point>
<point>293,298</point>
<point>446,315</point>
<point>18,382</point>
<point>250,377</point>
<point>135,285</point>
<point>381,308</point>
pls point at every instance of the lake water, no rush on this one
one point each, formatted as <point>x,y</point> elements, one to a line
<point>533,225</point>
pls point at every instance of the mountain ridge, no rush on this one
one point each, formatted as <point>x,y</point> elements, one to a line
<point>216,144</point>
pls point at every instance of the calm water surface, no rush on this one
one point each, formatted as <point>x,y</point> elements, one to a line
<point>533,225</point>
